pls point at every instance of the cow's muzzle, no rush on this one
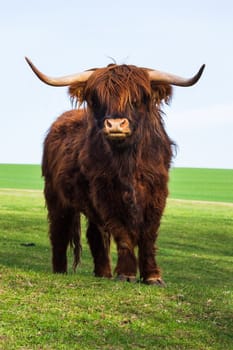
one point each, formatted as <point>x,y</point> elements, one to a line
<point>116,128</point>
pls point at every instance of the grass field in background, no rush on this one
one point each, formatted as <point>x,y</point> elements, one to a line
<point>21,176</point>
<point>202,184</point>
<point>42,311</point>
<point>185,183</point>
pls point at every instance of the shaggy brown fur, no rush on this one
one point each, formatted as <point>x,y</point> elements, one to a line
<point>119,185</point>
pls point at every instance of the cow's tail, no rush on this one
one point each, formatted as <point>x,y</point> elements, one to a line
<point>75,240</point>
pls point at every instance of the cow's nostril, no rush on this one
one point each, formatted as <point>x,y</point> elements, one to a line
<point>108,124</point>
<point>124,123</point>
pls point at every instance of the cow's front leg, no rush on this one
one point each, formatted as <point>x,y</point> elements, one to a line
<point>126,268</point>
<point>149,270</point>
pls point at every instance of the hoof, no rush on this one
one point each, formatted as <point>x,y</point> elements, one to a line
<point>155,282</point>
<point>125,278</point>
<point>103,275</point>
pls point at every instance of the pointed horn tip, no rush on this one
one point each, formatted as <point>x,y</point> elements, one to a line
<point>198,75</point>
<point>202,68</point>
<point>192,81</point>
<point>28,60</point>
<point>31,65</point>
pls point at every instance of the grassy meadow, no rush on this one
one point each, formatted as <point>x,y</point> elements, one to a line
<point>202,184</point>
<point>21,176</point>
<point>39,310</point>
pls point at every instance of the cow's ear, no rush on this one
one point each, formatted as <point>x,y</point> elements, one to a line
<point>76,92</point>
<point>161,93</point>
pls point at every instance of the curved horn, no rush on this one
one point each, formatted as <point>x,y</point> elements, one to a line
<point>61,81</point>
<point>167,78</point>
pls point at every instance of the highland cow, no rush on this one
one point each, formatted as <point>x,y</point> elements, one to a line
<point>109,159</point>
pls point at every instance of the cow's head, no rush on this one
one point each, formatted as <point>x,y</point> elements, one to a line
<point>119,95</point>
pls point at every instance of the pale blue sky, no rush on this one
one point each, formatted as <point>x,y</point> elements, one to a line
<point>67,36</point>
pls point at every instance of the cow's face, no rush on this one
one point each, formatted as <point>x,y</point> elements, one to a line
<point>117,96</point>
<point>120,100</point>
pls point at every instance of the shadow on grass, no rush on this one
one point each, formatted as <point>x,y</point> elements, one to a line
<point>34,257</point>
<point>188,269</point>
<point>196,270</point>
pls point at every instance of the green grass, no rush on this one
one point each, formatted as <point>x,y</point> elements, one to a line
<point>202,184</point>
<point>39,310</point>
<point>24,176</point>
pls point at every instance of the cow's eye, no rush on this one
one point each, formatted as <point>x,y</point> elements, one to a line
<point>135,103</point>
<point>95,102</point>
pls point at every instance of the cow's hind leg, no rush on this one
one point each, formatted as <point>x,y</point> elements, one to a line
<point>100,247</point>
<point>60,233</point>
